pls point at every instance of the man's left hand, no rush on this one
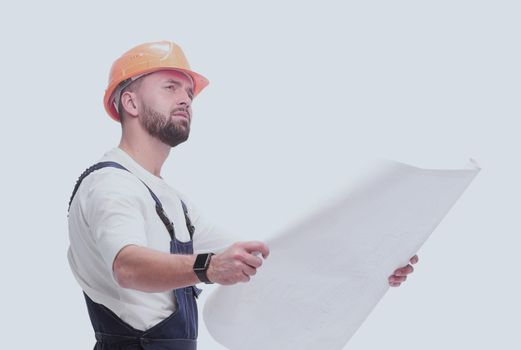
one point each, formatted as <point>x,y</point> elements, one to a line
<point>400,274</point>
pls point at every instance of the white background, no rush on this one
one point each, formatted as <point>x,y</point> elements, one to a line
<point>299,92</point>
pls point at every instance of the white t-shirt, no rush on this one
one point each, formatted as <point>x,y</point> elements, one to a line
<point>113,208</point>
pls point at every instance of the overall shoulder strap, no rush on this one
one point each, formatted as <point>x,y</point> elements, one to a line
<point>90,170</point>
<point>189,225</point>
<point>159,207</point>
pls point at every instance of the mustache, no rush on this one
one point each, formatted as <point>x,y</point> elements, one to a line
<point>180,110</point>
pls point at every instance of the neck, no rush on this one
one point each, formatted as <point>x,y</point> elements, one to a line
<point>148,152</point>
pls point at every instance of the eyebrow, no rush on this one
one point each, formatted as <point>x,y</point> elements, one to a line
<point>172,81</point>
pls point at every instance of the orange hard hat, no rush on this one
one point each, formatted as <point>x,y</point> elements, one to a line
<point>143,59</point>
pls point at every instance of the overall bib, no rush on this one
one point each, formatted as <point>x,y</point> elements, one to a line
<point>178,331</point>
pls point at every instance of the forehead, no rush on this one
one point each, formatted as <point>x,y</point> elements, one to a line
<point>165,75</point>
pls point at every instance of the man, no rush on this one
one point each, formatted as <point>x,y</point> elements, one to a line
<point>137,245</point>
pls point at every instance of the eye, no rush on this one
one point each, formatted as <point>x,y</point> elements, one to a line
<point>172,87</point>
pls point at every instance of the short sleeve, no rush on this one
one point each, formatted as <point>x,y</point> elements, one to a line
<point>114,213</point>
<point>208,237</point>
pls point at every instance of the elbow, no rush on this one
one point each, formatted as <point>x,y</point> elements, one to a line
<point>121,276</point>
<point>121,270</point>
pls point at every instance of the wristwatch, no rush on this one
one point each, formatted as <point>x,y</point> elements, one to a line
<point>202,261</point>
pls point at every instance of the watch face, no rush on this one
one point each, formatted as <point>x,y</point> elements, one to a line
<point>201,261</point>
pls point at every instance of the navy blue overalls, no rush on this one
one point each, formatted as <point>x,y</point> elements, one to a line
<point>178,331</point>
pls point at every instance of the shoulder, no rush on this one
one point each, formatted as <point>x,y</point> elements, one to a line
<point>112,183</point>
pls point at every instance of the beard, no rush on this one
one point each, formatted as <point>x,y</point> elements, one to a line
<point>167,129</point>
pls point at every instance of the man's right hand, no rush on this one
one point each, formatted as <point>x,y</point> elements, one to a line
<point>237,263</point>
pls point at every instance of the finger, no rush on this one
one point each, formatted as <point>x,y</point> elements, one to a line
<point>395,284</point>
<point>245,277</point>
<point>249,259</point>
<point>258,246</point>
<point>404,271</point>
<point>248,270</point>
<point>414,259</point>
<point>395,278</point>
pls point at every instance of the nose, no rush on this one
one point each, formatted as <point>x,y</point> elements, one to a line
<point>184,99</point>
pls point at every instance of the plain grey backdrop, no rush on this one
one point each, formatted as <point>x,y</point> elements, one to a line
<point>299,92</point>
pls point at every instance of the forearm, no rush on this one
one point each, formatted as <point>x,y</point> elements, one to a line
<point>148,270</point>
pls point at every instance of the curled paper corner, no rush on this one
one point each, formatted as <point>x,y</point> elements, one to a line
<point>472,163</point>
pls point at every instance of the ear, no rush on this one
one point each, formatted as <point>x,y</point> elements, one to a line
<point>129,103</point>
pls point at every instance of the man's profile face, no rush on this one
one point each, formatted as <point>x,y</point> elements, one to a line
<point>165,109</point>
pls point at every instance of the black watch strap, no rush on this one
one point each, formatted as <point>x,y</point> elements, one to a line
<point>201,264</point>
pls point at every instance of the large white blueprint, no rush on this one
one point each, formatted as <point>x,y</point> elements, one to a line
<point>325,274</point>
